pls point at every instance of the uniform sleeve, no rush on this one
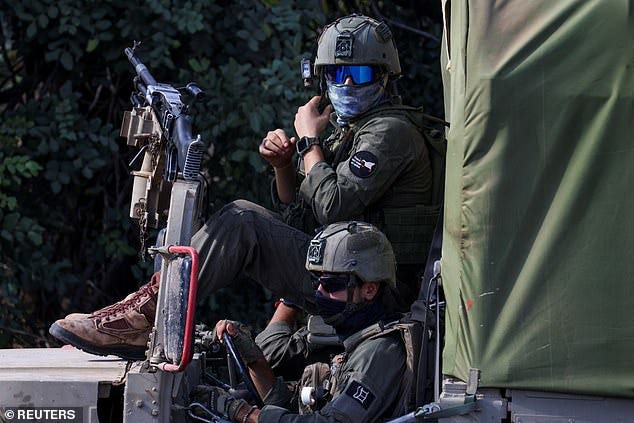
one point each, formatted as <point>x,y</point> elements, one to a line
<point>284,349</point>
<point>279,395</point>
<point>275,198</point>
<point>380,153</point>
<point>368,389</point>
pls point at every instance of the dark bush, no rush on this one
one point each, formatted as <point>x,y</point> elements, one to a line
<point>66,242</point>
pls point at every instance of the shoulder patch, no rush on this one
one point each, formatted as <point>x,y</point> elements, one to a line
<point>360,394</point>
<point>363,164</point>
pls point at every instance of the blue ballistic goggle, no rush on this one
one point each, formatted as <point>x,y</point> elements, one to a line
<point>360,74</point>
<point>332,282</point>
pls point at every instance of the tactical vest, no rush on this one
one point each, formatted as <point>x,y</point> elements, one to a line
<point>410,333</point>
<point>409,229</point>
<point>321,380</point>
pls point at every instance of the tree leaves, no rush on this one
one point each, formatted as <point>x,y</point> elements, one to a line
<point>64,182</point>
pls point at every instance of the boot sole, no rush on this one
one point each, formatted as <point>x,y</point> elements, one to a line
<point>127,353</point>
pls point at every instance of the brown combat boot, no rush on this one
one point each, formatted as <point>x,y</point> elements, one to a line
<point>120,329</point>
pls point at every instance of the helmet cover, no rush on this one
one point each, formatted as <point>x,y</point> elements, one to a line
<point>358,40</point>
<point>356,248</point>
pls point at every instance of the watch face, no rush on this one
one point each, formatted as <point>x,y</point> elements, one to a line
<point>305,143</point>
<point>302,145</point>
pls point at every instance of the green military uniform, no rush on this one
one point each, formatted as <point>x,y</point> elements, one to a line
<point>386,166</point>
<point>377,170</point>
<point>289,352</point>
<point>364,380</point>
<point>382,175</point>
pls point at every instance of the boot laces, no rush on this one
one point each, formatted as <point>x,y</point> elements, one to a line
<point>147,290</point>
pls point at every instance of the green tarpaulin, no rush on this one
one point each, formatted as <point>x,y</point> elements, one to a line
<point>538,253</point>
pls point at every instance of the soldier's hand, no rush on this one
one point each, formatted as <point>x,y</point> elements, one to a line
<point>219,402</point>
<point>308,121</point>
<point>242,339</point>
<point>277,148</point>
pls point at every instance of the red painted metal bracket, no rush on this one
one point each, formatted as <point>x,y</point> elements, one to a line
<point>191,310</point>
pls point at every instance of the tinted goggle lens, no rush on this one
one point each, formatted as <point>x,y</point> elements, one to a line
<point>331,283</point>
<point>360,74</point>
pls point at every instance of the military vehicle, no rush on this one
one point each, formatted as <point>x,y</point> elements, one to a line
<point>535,265</point>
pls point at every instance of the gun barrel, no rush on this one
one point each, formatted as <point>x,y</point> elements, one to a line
<point>140,68</point>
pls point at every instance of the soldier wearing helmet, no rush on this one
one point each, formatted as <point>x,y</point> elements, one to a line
<point>343,258</point>
<point>351,263</point>
<point>374,167</point>
<point>362,49</point>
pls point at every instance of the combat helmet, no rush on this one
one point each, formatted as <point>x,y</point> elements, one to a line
<point>356,248</point>
<point>358,40</point>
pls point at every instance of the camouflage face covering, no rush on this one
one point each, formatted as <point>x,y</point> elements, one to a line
<point>352,100</point>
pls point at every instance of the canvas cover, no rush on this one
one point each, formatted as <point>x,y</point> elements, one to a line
<point>538,253</point>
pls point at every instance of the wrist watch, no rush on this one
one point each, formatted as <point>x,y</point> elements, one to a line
<point>305,143</point>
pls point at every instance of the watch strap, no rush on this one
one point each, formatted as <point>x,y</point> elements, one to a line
<point>305,143</point>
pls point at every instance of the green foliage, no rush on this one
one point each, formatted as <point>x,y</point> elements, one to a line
<point>66,241</point>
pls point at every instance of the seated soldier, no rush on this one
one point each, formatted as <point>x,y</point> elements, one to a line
<point>375,166</point>
<point>352,263</point>
<point>289,351</point>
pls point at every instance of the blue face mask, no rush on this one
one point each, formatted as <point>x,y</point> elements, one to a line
<point>352,100</point>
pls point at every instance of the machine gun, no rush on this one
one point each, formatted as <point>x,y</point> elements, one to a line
<point>167,194</point>
<point>160,124</point>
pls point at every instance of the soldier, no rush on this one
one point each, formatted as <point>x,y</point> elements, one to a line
<point>374,167</point>
<point>352,263</point>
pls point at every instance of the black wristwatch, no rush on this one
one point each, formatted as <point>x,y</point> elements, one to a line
<point>305,143</point>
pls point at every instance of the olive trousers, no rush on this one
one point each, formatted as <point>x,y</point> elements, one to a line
<point>245,239</point>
